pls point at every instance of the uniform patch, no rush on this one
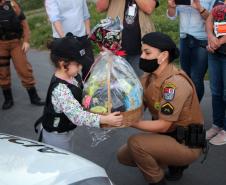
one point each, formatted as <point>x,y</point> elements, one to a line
<point>169,91</point>
<point>157,106</point>
<point>167,109</point>
<point>6,7</point>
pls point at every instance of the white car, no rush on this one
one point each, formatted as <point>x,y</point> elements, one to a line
<point>27,162</point>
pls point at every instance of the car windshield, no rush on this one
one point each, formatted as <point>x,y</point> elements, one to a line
<point>94,181</point>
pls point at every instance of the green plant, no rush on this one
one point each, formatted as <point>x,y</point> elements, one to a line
<point>31,4</point>
<point>40,31</point>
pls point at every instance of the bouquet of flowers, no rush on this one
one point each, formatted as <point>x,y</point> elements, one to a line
<point>219,17</point>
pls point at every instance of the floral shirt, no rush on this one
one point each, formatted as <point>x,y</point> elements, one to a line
<point>63,101</point>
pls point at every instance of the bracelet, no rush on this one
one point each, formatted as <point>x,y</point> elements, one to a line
<point>201,12</point>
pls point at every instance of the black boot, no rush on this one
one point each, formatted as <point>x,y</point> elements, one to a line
<point>161,182</point>
<point>175,173</point>
<point>8,103</point>
<point>34,98</point>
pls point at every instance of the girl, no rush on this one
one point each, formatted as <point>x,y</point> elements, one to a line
<point>63,111</point>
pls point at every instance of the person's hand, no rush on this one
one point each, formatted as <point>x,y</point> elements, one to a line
<point>213,43</point>
<point>88,33</point>
<point>113,119</point>
<point>25,46</point>
<point>196,5</point>
<point>222,40</point>
<point>171,4</point>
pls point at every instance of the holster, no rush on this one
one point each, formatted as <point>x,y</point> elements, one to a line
<point>193,136</point>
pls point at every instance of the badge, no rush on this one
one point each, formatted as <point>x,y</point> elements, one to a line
<point>56,122</point>
<point>131,14</point>
<point>169,91</point>
<point>167,109</point>
<point>6,7</point>
<point>132,10</point>
<point>157,106</point>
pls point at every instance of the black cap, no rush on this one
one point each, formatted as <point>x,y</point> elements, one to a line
<point>69,48</point>
<point>163,42</point>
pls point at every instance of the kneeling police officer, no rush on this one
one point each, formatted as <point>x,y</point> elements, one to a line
<point>14,43</point>
<point>177,135</point>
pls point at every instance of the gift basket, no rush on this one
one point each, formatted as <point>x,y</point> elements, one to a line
<point>112,85</point>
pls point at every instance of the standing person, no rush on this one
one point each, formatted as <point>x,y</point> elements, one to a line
<point>217,72</point>
<point>135,17</point>
<point>193,39</point>
<point>63,110</point>
<point>171,137</point>
<point>72,16</point>
<point>14,43</point>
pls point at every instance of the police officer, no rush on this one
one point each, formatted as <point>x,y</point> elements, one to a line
<point>14,43</point>
<point>177,122</point>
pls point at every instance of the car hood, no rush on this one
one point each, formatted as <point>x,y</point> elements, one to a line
<point>24,161</point>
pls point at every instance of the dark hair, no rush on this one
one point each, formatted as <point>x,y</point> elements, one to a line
<point>56,59</point>
<point>163,42</point>
<point>173,54</point>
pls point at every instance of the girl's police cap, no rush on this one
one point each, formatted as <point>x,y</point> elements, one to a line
<point>163,42</point>
<point>68,48</point>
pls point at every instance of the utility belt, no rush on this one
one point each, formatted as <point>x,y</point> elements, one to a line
<point>10,36</point>
<point>193,136</point>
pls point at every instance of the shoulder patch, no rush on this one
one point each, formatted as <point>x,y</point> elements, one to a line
<point>6,7</point>
<point>169,91</point>
<point>167,108</point>
<point>157,106</point>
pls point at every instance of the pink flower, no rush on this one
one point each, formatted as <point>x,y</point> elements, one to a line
<point>219,12</point>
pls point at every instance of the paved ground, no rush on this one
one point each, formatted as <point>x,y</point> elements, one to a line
<point>19,121</point>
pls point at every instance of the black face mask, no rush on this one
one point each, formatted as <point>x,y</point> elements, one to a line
<point>148,66</point>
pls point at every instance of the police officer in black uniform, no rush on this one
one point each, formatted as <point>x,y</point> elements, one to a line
<point>14,43</point>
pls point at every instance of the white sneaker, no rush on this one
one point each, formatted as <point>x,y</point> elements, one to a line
<point>213,131</point>
<point>219,139</point>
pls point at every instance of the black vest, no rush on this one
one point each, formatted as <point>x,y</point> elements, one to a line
<point>52,121</point>
<point>9,21</point>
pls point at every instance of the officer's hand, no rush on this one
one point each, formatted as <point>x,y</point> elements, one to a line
<point>114,119</point>
<point>134,124</point>
<point>25,47</point>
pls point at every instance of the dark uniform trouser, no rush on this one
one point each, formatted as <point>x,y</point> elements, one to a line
<point>152,152</point>
<point>12,49</point>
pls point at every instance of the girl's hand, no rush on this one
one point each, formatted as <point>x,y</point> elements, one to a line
<point>114,119</point>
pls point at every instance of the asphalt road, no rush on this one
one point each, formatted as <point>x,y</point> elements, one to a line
<point>20,119</point>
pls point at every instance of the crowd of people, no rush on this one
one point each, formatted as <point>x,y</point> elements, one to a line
<point>175,137</point>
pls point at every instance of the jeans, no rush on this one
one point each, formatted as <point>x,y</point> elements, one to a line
<point>194,61</point>
<point>217,73</point>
